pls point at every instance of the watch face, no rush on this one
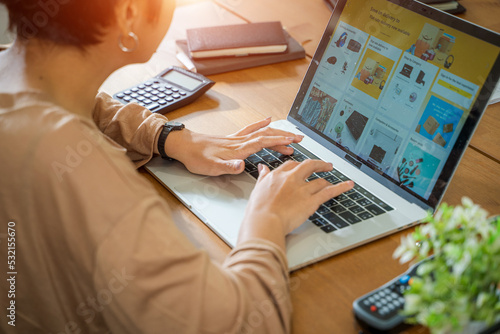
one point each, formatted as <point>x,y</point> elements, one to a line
<point>175,125</point>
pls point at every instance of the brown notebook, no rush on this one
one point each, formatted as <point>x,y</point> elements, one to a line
<point>236,40</point>
<point>211,66</point>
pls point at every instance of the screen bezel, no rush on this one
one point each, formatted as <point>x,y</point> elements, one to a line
<point>476,112</point>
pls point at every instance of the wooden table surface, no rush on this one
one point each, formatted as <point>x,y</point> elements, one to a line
<point>323,293</point>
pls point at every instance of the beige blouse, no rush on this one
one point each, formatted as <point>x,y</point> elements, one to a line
<point>96,250</point>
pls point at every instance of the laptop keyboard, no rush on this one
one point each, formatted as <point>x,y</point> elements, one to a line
<point>347,209</point>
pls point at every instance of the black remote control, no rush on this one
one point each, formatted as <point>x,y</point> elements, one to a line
<point>379,310</point>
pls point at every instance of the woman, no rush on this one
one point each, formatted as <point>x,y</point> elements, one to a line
<point>97,250</point>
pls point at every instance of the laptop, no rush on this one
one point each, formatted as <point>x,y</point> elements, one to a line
<point>392,97</point>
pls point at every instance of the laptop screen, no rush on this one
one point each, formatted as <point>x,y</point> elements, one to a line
<point>399,87</point>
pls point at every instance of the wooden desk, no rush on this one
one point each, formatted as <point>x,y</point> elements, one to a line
<point>322,294</point>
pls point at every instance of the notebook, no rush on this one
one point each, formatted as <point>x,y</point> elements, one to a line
<point>391,98</point>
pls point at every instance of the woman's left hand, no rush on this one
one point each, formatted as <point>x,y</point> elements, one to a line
<point>217,155</point>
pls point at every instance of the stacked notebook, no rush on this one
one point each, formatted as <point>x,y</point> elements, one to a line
<point>452,7</point>
<point>212,50</point>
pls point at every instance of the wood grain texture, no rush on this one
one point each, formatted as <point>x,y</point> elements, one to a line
<point>323,293</point>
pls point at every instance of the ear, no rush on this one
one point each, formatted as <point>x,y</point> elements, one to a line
<point>127,14</point>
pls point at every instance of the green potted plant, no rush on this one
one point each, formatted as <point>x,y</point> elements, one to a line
<point>457,288</point>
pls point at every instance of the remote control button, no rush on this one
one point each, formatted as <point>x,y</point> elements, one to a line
<point>373,308</point>
<point>404,279</point>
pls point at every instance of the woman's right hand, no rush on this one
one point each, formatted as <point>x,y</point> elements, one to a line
<point>282,199</point>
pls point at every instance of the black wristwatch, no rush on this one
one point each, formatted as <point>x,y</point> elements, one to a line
<point>167,128</point>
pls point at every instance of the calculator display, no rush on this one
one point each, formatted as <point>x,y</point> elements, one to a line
<point>180,79</point>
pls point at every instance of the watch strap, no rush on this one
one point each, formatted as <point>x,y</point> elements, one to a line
<point>167,128</point>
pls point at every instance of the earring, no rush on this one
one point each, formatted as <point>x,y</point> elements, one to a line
<point>123,47</point>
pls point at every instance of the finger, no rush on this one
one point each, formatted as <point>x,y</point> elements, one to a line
<point>288,165</point>
<point>259,143</point>
<point>271,132</point>
<point>285,150</point>
<point>254,127</point>
<point>309,166</point>
<point>317,185</point>
<point>222,167</point>
<point>263,171</point>
<point>332,191</point>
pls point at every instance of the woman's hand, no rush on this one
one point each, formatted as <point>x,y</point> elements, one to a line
<point>217,155</point>
<point>282,199</point>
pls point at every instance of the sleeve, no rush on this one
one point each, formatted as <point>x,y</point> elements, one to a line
<point>134,127</point>
<point>164,284</point>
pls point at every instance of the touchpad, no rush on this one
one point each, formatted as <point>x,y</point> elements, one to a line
<point>219,201</point>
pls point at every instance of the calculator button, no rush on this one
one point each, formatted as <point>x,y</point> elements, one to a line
<point>169,99</point>
<point>148,84</point>
<point>182,93</point>
<point>149,89</point>
<point>176,96</point>
<point>148,95</point>
<point>120,96</point>
<point>127,92</point>
<point>155,92</point>
<point>154,99</point>
<point>162,89</point>
<point>155,86</point>
<point>162,102</point>
<point>147,101</point>
<point>169,92</point>
<point>135,89</point>
<point>127,99</point>
<point>141,87</point>
<point>134,95</point>
<point>168,87</point>
<point>175,90</point>
<point>141,98</point>
<point>162,96</point>
<point>153,106</point>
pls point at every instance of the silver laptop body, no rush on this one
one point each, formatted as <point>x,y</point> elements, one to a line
<point>385,100</point>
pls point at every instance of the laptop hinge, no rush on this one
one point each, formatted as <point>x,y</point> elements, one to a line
<point>353,161</point>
